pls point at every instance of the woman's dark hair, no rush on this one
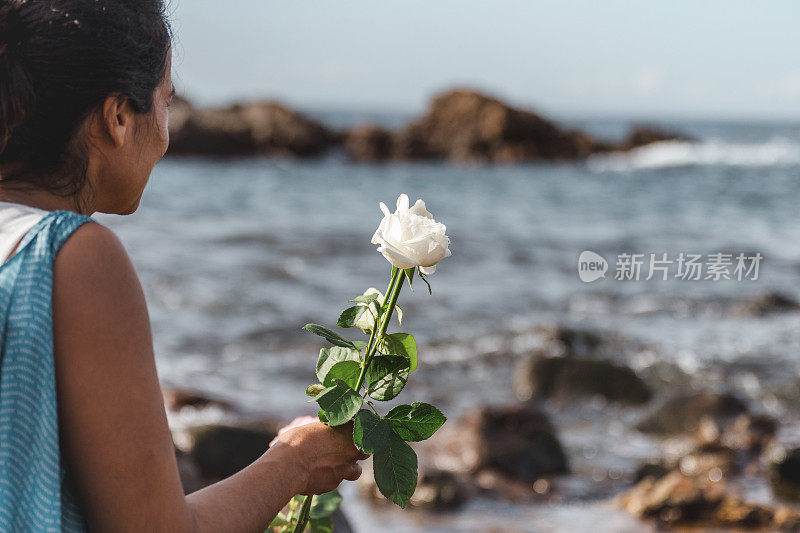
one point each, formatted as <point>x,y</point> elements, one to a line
<point>59,60</point>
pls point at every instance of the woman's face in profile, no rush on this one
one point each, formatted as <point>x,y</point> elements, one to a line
<point>122,182</point>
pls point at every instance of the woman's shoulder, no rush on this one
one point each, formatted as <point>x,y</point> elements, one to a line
<point>93,264</point>
<point>91,247</point>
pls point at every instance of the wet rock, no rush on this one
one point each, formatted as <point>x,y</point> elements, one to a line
<point>567,341</point>
<point>684,413</point>
<point>500,486</point>
<point>518,441</point>
<point>644,135</point>
<point>673,499</point>
<point>221,450</point>
<point>467,126</point>
<point>710,461</point>
<point>176,398</point>
<point>566,379</point>
<point>441,490</point>
<point>697,502</point>
<point>734,512</point>
<point>437,489</point>
<point>747,432</point>
<point>652,470</point>
<point>785,474</point>
<point>786,519</point>
<point>368,143</point>
<point>767,304</point>
<point>247,129</point>
<point>662,375</point>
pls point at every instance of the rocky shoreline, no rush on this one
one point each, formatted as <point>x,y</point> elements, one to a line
<point>716,442</point>
<point>459,126</point>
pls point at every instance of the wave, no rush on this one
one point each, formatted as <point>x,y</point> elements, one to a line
<point>669,154</point>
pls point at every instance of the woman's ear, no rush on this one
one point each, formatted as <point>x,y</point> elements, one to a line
<point>116,119</point>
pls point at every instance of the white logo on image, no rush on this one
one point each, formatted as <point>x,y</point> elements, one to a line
<point>591,266</point>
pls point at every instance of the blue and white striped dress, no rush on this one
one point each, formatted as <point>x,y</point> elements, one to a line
<point>35,494</point>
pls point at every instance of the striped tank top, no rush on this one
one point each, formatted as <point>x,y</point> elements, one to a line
<point>35,489</point>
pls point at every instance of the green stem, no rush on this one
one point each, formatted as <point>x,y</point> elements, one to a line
<point>392,292</point>
<point>303,518</point>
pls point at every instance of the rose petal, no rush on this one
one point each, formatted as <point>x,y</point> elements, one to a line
<point>396,257</point>
<point>402,203</point>
<point>428,270</point>
<point>419,209</point>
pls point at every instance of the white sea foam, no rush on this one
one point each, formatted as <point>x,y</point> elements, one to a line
<point>667,154</point>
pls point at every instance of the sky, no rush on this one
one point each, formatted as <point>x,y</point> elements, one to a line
<point>704,58</point>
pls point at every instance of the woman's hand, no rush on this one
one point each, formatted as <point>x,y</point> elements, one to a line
<point>324,456</point>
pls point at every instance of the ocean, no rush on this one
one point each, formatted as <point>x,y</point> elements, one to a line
<point>236,255</point>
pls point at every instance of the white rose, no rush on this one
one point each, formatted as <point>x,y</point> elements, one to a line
<point>410,237</point>
<point>367,319</point>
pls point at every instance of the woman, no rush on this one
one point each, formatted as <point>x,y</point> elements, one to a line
<point>84,442</point>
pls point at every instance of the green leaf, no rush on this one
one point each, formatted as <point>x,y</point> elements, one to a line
<point>365,299</point>
<point>321,525</point>
<point>402,344</point>
<point>386,377</point>
<point>323,418</point>
<point>396,471</point>
<point>314,389</point>
<point>328,335</point>
<point>347,371</point>
<point>359,345</point>
<point>371,434</point>
<point>340,403</point>
<point>330,356</point>
<point>279,521</point>
<point>325,505</point>
<point>409,273</point>
<point>350,315</point>
<point>415,422</point>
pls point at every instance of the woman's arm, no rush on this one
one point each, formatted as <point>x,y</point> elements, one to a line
<point>112,421</point>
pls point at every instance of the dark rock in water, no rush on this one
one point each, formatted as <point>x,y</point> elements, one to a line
<point>441,490</point>
<point>460,125</point>
<point>568,342</point>
<point>467,126</point>
<point>652,470</point>
<point>684,413</point>
<point>673,499</point>
<point>437,490</point>
<point>247,129</point>
<point>564,379</point>
<point>499,452</point>
<point>697,502</point>
<point>767,304</point>
<point>710,460</point>
<point>368,143</point>
<point>747,432</point>
<point>222,450</point>
<point>785,475</point>
<point>176,399</point>
<point>786,519</point>
<point>734,512</point>
<point>517,440</point>
<point>644,135</point>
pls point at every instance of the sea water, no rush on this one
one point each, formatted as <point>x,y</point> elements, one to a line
<point>236,255</point>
